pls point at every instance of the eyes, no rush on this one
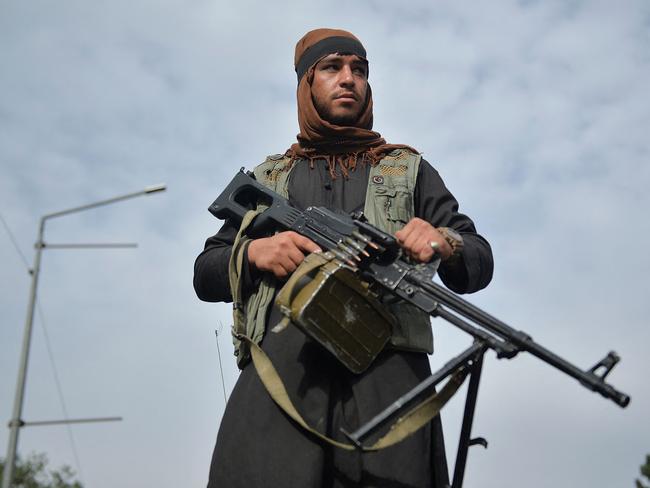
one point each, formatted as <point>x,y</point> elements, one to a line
<point>334,67</point>
<point>359,70</point>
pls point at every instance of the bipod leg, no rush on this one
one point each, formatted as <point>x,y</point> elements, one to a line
<point>409,399</point>
<point>468,417</point>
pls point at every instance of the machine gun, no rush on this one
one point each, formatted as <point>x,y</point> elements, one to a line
<point>376,257</point>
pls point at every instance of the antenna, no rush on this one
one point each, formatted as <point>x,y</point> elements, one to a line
<point>223,384</point>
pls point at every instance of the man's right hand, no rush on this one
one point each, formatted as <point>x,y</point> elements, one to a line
<point>280,254</point>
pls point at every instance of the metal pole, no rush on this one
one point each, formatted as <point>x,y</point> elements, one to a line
<point>15,422</point>
<point>147,191</point>
<point>113,245</point>
<point>71,421</point>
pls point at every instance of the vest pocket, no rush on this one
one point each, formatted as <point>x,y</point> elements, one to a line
<point>395,203</point>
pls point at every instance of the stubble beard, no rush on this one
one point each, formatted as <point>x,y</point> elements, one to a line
<point>345,120</point>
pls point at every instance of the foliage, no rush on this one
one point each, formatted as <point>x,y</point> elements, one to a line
<point>33,473</point>
<point>645,473</point>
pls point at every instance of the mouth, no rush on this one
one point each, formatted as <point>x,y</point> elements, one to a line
<point>346,97</point>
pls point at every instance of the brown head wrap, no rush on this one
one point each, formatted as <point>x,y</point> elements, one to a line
<point>341,146</point>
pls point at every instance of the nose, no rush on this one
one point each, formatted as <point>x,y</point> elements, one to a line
<point>345,76</point>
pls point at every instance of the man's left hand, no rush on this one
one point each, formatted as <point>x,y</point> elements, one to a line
<point>418,239</point>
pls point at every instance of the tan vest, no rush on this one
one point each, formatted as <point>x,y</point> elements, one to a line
<point>389,205</point>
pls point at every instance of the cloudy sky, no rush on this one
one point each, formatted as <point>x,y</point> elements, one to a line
<point>534,113</point>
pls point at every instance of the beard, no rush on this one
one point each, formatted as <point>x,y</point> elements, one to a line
<point>345,120</point>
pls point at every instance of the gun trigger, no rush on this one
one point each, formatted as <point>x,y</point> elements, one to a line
<point>607,364</point>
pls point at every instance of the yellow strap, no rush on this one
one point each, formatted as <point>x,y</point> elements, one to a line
<point>400,430</point>
<point>422,414</point>
<point>310,263</point>
<point>235,270</point>
<point>235,273</point>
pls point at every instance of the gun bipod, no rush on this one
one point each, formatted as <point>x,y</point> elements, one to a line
<point>471,360</point>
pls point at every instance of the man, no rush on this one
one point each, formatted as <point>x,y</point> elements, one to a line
<point>340,163</point>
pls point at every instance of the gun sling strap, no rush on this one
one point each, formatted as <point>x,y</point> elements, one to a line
<point>406,425</point>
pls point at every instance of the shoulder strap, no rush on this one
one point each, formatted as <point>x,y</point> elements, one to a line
<point>405,426</point>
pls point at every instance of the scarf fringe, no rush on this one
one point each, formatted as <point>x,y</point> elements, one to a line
<point>346,162</point>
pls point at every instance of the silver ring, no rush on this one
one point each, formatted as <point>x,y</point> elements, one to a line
<point>434,245</point>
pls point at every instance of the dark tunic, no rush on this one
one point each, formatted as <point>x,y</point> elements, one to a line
<point>257,445</point>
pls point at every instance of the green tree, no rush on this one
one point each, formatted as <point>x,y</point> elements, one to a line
<point>33,473</point>
<point>645,473</point>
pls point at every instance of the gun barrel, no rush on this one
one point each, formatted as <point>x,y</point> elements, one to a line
<point>524,342</point>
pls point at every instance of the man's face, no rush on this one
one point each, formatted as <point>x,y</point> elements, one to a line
<point>339,88</point>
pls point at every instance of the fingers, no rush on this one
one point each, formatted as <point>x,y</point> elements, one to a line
<point>419,248</point>
<point>416,238</point>
<point>293,257</point>
<point>413,232</point>
<point>302,242</point>
<point>280,254</point>
<point>412,235</point>
<point>404,232</point>
<point>423,251</point>
<point>282,270</point>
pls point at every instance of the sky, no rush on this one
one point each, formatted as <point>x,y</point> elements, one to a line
<point>535,113</point>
